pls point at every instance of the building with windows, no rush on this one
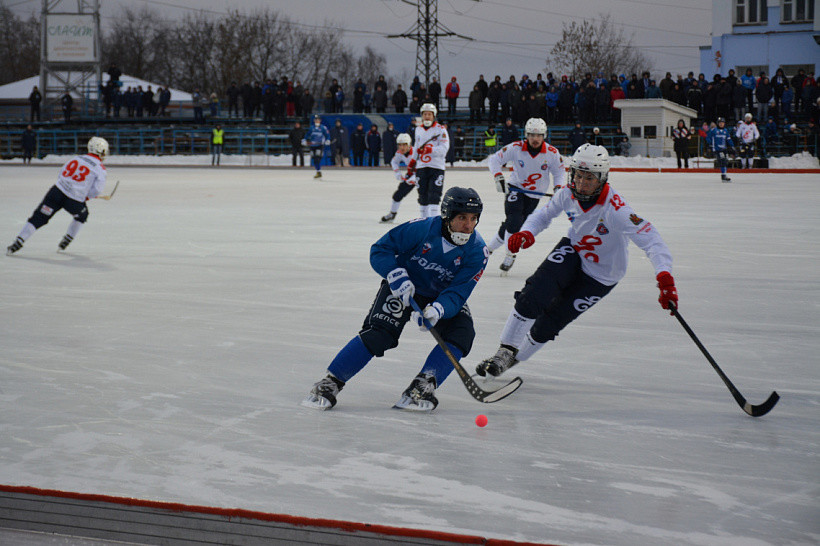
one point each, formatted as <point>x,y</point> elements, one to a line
<point>763,35</point>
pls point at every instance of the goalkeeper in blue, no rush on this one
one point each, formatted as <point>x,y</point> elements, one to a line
<point>436,261</point>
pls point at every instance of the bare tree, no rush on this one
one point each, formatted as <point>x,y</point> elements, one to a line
<point>137,43</point>
<point>594,47</point>
<point>19,46</point>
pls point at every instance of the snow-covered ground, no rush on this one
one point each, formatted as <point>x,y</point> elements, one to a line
<point>165,354</point>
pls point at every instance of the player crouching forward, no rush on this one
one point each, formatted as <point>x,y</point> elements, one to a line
<point>81,178</point>
<point>437,262</point>
<point>584,266</point>
<point>533,161</point>
<point>400,163</point>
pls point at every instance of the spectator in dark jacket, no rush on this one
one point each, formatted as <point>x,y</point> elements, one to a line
<point>577,137</point>
<point>475,101</point>
<point>763,94</point>
<point>373,142</point>
<point>779,84</point>
<point>399,100</point>
<point>296,136</point>
<point>739,100</point>
<point>29,142</point>
<point>340,144</point>
<point>723,101</point>
<point>358,144</point>
<point>509,133</point>
<point>389,143</point>
<point>34,99</point>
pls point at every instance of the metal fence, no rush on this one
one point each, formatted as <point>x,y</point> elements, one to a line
<point>274,141</point>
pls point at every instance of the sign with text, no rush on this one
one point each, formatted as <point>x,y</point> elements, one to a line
<point>70,38</point>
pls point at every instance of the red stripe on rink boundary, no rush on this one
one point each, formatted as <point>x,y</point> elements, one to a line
<point>233,513</point>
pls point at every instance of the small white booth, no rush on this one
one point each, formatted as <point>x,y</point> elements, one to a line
<point>649,123</point>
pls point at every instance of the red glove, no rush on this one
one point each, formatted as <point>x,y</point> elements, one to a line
<point>522,239</point>
<point>411,168</point>
<point>669,293</point>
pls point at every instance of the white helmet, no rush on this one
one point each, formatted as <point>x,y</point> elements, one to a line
<point>535,126</point>
<point>428,107</point>
<point>748,117</point>
<point>404,138</point>
<point>98,146</point>
<point>593,159</point>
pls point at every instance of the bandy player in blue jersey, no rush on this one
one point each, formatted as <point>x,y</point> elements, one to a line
<point>435,261</point>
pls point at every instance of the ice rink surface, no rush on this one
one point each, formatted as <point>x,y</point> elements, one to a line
<point>165,354</point>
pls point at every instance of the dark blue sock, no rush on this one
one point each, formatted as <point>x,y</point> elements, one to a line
<point>438,364</point>
<point>350,360</point>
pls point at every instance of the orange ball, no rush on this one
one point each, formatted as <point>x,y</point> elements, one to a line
<point>481,420</point>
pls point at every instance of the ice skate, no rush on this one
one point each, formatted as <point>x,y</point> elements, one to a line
<point>501,361</point>
<point>508,262</point>
<point>389,217</point>
<point>65,242</point>
<point>420,395</point>
<point>323,394</point>
<point>724,178</point>
<point>14,247</point>
<point>318,174</point>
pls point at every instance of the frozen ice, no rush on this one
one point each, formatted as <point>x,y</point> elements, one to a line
<point>165,353</point>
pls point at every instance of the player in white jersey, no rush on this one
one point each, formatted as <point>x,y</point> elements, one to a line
<point>533,160</point>
<point>747,134</point>
<point>81,178</point>
<point>400,163</point>
<point>584,266</point>
<point>431,142</point>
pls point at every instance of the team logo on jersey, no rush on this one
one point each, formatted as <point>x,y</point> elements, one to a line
<point>635,219</point>
<point>544,167</point>
<point>571,216</point>
<point>45,209</point>
<point>426,248</point>
<point>478,275</point>
<point>521,163</point>
<point>601,229</point>
<point>504,149</point>
<point>457,261</point>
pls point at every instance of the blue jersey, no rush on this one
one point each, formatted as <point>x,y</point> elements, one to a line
<point>437,268</point>
<point>720,139</point>
<point>317,135</point>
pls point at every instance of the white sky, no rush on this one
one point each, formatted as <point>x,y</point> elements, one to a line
<point>165,354</point>
<point>512,36</point>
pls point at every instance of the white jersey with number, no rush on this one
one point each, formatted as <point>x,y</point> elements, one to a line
<point>400,163</point>
<point>747,132</point>
<point>431,144</point>
<point>82,177</point>
<point>601,234</point>
<point>530,173</point>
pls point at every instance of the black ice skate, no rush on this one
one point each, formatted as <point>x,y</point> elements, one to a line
<point>501,361</point>
<point>724,178</point>
<point>323,394</point>
<point>14,247</point>
<point>389,217</point>
<point>420,395</point>
<point>65,242</point>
